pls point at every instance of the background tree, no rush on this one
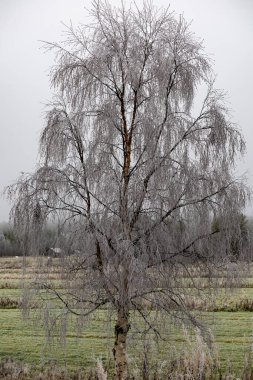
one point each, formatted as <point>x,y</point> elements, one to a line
<point>9,244</point>
<point>132,168</point>
<point>240,240</point>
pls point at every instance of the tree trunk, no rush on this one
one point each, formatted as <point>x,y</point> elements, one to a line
<point>119,351</point>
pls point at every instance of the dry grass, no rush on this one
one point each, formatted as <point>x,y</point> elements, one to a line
<point>9,285</point>
<point>195,362</point>
<point>9,303</point>
<point>15,370</point>
<point>230,304</point>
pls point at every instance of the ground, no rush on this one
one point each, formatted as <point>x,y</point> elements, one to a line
<point>24,340</point>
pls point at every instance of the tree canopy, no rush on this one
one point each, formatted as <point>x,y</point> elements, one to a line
<point>132,167</point>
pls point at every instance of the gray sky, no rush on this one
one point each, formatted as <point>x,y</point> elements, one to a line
<point>226,27</point>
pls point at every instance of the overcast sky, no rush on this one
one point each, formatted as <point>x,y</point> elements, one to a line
<point>226,26</point>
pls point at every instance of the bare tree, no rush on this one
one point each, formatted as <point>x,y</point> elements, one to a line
<point>132,167</point>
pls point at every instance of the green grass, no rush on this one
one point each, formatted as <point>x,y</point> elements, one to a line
<point>24,340</point>
<point>12,293</point>
<point>232,335</point>
<point>21,340</point>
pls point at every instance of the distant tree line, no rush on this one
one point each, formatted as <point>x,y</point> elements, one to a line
<point>241,245</point>
<point>241,242</point>
<point>10,244</point>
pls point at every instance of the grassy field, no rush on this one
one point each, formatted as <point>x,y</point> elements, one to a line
<point>24,339</point>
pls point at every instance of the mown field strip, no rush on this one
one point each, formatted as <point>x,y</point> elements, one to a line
<point>25,339</point>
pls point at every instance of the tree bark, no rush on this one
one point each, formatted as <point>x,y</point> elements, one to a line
<point>119,351</point>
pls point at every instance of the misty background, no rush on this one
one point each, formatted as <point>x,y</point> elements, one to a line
<point>225,26</point>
